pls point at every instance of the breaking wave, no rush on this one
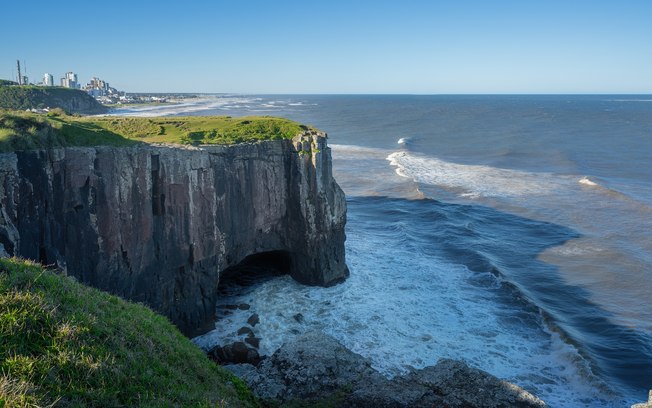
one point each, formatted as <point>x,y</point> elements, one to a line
<point>474,181</point>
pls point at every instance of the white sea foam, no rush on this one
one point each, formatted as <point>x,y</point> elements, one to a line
<point>194,105</point>
<point>577,247</point>
<point>585,180</point>
<point>367,173</point>
<point>421,305</point>
<point>208,103</point>
<point>403,140</point>
<point>360,152</point>
<point>640,203</point>
<point>474,181</point>
<point>629,100</point>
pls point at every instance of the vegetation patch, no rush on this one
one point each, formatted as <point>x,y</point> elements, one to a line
<point>68,345</point>
<point>197,130</point>
<point>26,130</point>
<point>22,97</point>
<point>21,131</point>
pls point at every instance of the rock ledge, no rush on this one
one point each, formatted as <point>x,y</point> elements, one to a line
<point>316,367</point>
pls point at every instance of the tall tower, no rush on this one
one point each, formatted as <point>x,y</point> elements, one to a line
<point>20,76</point>
<point>48,79</point>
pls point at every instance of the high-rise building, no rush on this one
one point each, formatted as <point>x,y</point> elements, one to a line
<point>98,83</point>
<point>48,79</point>
<point>99,87</point>
<point>69,80</point>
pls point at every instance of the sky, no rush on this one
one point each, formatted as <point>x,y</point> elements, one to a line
<point>371,47</point>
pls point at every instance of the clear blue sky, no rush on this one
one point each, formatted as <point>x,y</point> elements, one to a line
<point>452,46</point>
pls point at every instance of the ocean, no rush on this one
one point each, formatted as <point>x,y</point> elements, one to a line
<point>511,232</point>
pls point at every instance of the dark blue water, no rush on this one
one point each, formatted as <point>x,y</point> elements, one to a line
<point>513,232</point>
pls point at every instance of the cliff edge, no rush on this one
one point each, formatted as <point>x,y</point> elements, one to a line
<point>159,224</point>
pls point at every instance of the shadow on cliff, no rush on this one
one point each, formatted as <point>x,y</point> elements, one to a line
<point>254,269</point>
<point>487,240</point>
<point>80,133</point>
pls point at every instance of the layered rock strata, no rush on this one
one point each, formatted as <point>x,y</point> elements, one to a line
<point>158,224</point>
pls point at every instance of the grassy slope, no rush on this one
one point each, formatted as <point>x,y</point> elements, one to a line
<point>62,342</point>
<point>23,97</point>
<point>23,131</point>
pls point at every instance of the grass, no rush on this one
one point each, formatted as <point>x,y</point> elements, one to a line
<point>25,130</point>
<point>22,131</point>
<point>200,130</point>
<point>67,345</point>
<point>23,97</point>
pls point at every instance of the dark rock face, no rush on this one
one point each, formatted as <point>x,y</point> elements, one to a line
<point>315,366</point>
<point>158,224</point>
<point>253,320</point>
<point>235,353</point>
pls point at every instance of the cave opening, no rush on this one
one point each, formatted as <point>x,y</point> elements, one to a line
<point>254,269</point>
<point>237,336</point>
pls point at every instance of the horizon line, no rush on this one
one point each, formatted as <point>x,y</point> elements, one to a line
<point>399,93</point>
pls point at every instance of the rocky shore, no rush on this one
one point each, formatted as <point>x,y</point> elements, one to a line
<point>316,368</point>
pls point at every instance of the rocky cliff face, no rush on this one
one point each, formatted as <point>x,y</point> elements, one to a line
<point>158,224</point>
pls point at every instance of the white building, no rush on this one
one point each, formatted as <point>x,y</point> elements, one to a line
<point>70,80</point>
<point>48,79</point>
<point>98,87</point>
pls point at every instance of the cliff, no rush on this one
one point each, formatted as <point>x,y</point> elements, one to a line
<point>159,224</point>
<point>28,97</point>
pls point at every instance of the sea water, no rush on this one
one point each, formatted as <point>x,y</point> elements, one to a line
<point>511,232</point>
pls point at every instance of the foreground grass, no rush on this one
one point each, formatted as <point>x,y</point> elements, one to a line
<point>68,345</point>
<point>25,131</point>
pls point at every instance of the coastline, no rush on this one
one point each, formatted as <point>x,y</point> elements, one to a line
<point>477,213</point>
<point>315,369</point>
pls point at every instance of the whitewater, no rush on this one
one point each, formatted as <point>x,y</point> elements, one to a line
<point>513,233</point>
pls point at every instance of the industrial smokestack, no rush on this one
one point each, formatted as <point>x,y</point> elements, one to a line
<point>20,76</point>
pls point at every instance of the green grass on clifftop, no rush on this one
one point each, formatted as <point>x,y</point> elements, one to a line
<point>66,344</point>
<point>24,130</point>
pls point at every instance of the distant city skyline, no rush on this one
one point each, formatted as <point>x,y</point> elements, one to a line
<point>420,47</point>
